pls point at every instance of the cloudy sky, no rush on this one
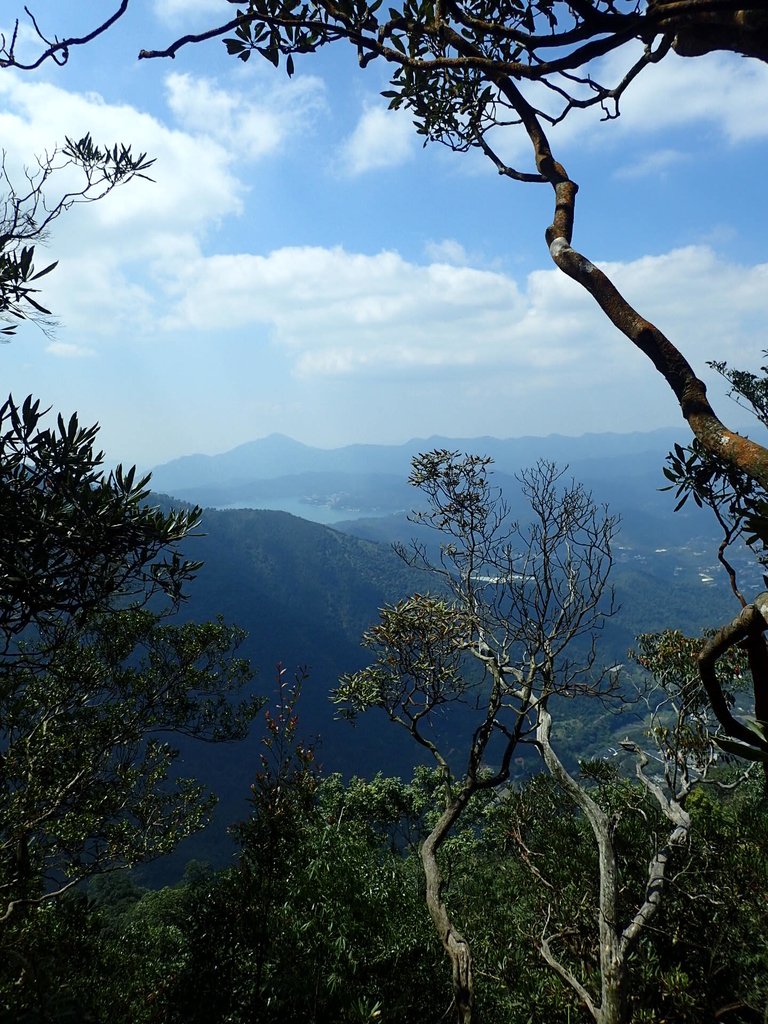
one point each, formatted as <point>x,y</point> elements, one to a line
<point>301,264</point>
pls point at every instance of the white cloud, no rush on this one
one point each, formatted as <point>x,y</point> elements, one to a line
<point>655,163</point>
<point>93,293</point>
<point>67,350</point>
<point>341,314</point>
<point>172,10</point>
<point>248,128</point>
<point>447,251</point>
<point>727,91</point>
<point>105,249</point>
<point>193,183</point>
<point>197,166</point>
<point>381,138</point>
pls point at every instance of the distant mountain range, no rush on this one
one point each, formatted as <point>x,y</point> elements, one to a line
<point>278,455</point>
<point>327,485</point>
<point>305,592</point>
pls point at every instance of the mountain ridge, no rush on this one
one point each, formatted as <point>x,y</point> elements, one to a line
<point>230,478</point>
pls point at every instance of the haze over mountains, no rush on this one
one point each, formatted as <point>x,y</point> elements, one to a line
<point>363,489</point>
<point>305,591</point>
<point>278,472</point>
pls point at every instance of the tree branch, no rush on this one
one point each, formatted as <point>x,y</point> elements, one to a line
<point>751,622</point>
<point>672,809</point>
<point>56,50</point>
<point>568,977</point>
<point>201,37</point>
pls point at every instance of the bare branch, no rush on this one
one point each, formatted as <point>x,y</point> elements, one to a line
<point>568,976</point>
<point>56,50</point>
<point>201,37</point>
<point>502,168</point>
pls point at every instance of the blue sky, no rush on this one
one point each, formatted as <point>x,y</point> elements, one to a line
<point>302,264</point>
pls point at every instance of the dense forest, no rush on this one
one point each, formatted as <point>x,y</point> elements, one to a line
<point>323,916</point>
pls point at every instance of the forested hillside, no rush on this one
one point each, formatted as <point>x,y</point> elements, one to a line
<point>304,593</point>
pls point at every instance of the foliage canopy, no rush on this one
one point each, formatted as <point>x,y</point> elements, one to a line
<point>75,538</point>
<point>90,674</point>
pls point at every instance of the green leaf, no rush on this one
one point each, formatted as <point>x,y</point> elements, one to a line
<point>741,749</point>
<point>234,47</point>
<point>47,270</point>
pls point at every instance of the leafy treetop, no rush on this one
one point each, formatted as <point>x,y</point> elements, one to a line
<point>27,212</point>
<point>75,539</point>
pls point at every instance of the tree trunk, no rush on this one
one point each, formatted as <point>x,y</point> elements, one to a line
<point>454,943</point>
<point>740,452</point>
<point>613,1002</point>
<point>613,969</point>
<point>703,26</point>
<point>746,630</point>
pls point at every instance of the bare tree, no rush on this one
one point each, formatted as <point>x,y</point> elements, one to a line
<point>501,639</point>
<point>682,758</point>
<point>617,938</point>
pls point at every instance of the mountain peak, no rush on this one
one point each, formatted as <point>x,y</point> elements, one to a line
<point>277,456</point>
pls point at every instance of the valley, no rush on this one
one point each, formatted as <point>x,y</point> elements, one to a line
<point>305,590</point>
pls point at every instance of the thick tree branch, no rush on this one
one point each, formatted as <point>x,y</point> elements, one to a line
<point>747,628</point>
<point>454,943</point>
<point>689,390</point>
<point>701,26</point>
<point>568,977</point>
<point>672,808</point>
<point>600,823</point>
